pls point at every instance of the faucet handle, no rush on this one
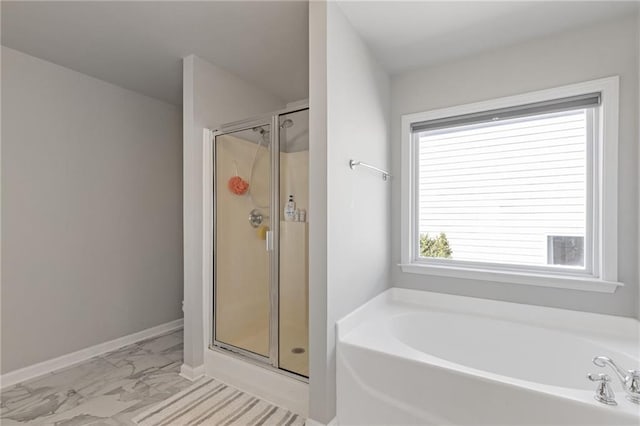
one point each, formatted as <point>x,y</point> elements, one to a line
<point>604,393</point>
<point>600,377</point>
<point>633,393</point>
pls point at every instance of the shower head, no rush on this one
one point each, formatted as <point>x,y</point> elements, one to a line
<point>260,129</point>
<point>286,123</point>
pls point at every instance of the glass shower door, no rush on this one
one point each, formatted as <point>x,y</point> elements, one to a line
<point>242,230</point>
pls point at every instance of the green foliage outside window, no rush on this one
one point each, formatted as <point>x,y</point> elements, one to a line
<point>435,247</point>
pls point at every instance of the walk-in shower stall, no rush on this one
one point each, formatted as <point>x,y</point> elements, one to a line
<point>260,254</point>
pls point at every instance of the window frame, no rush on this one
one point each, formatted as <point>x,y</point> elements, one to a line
<point>600,272</point>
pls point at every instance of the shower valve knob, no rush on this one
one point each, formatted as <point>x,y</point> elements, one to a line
<point>255,218</point>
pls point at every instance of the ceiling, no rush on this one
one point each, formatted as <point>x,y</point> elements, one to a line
<point>139,45</point>
<point>405,35</point>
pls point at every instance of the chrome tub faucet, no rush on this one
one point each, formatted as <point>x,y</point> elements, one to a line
<point>630,379</point>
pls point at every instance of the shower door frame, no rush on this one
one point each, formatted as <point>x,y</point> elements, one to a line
<point>272,358</point>
<point>272,361</point>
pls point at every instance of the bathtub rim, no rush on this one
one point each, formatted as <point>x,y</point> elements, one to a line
<point>535,315</point>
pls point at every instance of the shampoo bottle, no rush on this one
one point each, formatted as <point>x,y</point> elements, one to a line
<point>290,210</point>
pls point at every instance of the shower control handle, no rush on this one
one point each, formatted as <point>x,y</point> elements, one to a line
<point>269,240</point>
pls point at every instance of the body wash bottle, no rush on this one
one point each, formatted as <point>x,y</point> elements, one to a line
<point>290,210</point>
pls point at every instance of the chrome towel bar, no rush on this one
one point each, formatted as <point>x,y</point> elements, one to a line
<point>385,174</point>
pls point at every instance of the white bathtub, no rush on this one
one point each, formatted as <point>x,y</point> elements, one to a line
<point>413,357</point>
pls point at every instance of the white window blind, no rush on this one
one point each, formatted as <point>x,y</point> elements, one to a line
<point>499,188</point>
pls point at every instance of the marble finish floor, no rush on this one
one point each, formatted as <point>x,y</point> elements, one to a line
<point>109,389</point>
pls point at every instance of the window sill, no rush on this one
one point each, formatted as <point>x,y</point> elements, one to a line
<point>511,277</point>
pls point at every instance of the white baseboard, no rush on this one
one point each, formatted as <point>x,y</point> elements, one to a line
<point>311,422</point>
<point>269,385</point>
<point>45,367</point>
<point>192,373</point>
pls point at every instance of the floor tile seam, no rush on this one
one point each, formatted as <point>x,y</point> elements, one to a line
<point>114,363</point>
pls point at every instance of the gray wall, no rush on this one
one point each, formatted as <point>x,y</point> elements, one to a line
<point>607,49</point>
<point>91,211</point>
<point>352,121</point>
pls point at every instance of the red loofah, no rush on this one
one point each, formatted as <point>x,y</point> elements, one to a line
<point>237,185</point>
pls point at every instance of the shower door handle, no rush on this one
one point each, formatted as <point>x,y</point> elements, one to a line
<point>269,240</point>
